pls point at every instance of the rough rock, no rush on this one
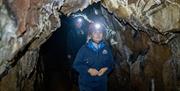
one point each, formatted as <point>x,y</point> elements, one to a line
<point>146,47</point>
<point>144,61</point>
<point>164,15</point>
<point>24,26</point>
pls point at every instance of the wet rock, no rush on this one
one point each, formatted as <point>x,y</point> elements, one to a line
<point>71,6</point>
<point>161,14</point>
<point>22,75</point>
<point>24,26</point>
<point>143,61</point>
<point>144,37</point>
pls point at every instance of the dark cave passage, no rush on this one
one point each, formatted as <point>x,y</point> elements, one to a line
<point>57,66</point>
<point>39,40</point>
<point>134,51</point>
<point>58,52</point>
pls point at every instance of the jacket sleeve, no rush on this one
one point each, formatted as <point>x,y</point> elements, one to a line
<point>110,62</point>
<point>79,65</point>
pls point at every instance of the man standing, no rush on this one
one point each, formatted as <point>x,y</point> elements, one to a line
<point>76,37</point>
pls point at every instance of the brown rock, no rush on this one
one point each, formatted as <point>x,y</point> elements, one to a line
<point>21,7</point>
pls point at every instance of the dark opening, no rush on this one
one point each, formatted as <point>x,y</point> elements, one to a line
<point>58,52</point>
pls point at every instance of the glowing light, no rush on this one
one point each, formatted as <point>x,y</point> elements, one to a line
<point>79,20</point>
<point>95,11</point>
<point>97,26</point>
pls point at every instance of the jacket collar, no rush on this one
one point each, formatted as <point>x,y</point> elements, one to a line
<point>91,45</point>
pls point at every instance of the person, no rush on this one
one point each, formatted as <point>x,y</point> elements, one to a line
<point>76,37</point>
<point>93,62</point>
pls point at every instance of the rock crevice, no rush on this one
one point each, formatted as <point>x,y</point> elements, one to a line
<point>144,35</point>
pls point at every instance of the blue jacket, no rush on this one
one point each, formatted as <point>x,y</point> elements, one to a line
<point>90,57</point>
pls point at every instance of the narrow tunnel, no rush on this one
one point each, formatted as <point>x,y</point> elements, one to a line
<point>39,40</point>
<point>130,46</point>
<point>57,54</point>
<point>55,62</point>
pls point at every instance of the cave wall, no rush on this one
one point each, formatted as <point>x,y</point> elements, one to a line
<point>147,48</point>
<point>164,15</point>
<point>24,26</point>
<point>147,51</point>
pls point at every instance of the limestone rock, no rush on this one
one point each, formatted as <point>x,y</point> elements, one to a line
<point>164,15</point>
<point>146,41</point>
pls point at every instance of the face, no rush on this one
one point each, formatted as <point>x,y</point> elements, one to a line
<point>97,36</point>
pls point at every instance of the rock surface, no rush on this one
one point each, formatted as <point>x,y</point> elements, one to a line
<point>147,51</point>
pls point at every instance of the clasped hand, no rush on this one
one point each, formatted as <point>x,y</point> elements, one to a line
<point>94,72</point>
